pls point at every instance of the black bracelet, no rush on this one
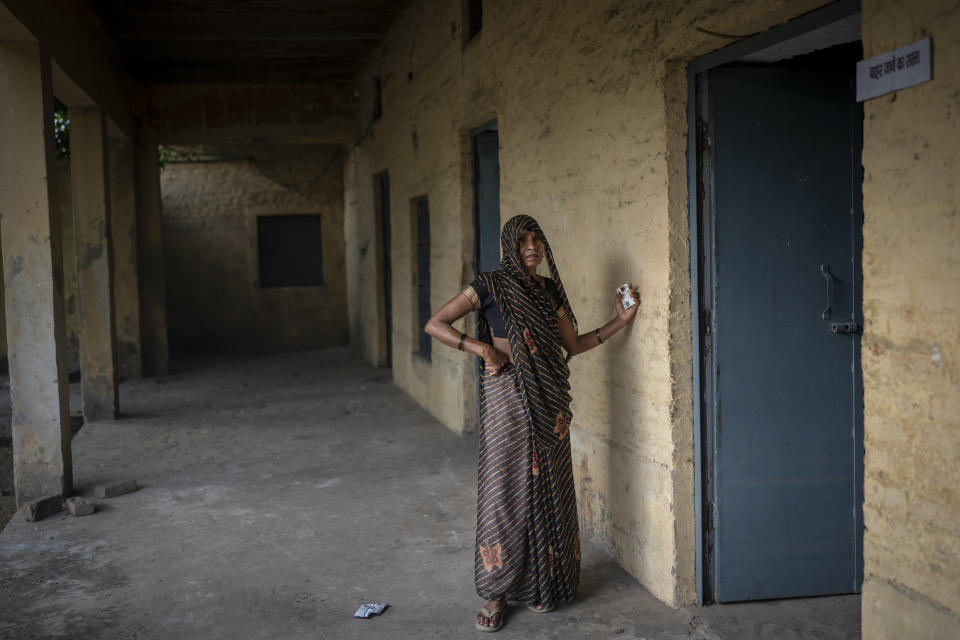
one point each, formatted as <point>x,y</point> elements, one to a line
<point>463,337</point>
<point>599,339</point>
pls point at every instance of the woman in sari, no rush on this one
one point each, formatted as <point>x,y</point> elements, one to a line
<point>528,542</point>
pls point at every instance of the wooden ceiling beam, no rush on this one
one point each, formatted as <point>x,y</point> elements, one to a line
<point>160,50</point>
<point>203,76</point>
<point>191,41</point>
<point>268,26</point>
<point>178,39</point>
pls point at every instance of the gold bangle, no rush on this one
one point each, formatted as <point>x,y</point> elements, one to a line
<point>463,337</point>
<point>472,296</point>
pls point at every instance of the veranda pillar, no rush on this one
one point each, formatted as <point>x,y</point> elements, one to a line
<point>33,275</point>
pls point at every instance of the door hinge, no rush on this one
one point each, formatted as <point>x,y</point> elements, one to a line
<point>712,516</point>
<point>706,323</point>
<point>703,134</point>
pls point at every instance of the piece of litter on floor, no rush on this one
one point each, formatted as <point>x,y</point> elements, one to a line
<point>372,609</point>
<point>115,489</point>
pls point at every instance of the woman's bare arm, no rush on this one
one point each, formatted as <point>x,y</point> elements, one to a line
<point>440,326</point>
<point>576,344</point>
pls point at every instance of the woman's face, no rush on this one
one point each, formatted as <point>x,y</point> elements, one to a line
<point>531,249</point>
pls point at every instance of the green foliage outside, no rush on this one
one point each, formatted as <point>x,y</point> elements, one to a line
<point>61,134</point>
<point>61,129</point>
<point>165,155</point>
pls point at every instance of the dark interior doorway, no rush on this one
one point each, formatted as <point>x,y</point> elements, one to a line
<point>485,148</point>
<point>485,153</point>
<point>382,203</point>
<point>779,219</point>
<point>421,206</point>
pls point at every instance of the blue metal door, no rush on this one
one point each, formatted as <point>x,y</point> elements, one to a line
<point>784,148</point>
<point>486,193</point>
<point>485,145</point>
<point>382,181</point>
<point>423,275</point>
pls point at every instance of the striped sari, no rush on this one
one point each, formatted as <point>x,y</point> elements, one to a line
<point>528,541</point>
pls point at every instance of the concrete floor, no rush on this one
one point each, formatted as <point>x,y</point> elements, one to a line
<point>278,494</point>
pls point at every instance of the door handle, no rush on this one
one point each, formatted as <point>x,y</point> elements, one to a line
<point>825,272</point>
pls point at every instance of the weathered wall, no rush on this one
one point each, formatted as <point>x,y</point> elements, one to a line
<point>365,298</point>
<point>71,300</point>
<point>33,275</point>
<point>80,48</point>
<point>89,168</point>
<point>911,342</point>
<point>126,283</point>
<point>590,99</point>
<point>210,254</point>
<point>246,114</point>
<point>151,290</point>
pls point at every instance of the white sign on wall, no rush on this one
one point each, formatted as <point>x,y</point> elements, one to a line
<point>898,69</point>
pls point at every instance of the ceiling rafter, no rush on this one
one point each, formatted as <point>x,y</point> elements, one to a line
<point>246,41</point>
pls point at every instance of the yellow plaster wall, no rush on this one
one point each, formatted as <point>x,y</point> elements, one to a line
<point>365,299</point>
<point>71,297</point>
<point>71,301</point>
<point>911,342</point>
<point>590,99</point>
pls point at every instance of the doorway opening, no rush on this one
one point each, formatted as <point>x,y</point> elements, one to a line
<point>776,220</point>
<point>485,155</point>
<point>485,152</point>
<point>420,231</point>
<point>382,206</point>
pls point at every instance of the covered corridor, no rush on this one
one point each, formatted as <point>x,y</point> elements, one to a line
<point>229,276</point>
<point>281,492</point>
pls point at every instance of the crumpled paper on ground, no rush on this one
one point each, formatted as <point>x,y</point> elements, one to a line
<point>370,609</point>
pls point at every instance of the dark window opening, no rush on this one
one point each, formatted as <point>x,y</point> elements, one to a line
<point>423,274</point>
<point>382,198</point>
<point>290,250</point>
<point>377,99</point>
<point>474,18</point>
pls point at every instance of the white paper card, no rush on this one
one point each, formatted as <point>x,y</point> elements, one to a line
<point>368,609</point>
<point>898,69</point>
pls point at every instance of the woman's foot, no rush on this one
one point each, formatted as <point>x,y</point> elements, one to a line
<point>542,608</point>
<point>490,616</point>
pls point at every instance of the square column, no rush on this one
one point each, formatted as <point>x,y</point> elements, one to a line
<point>153,295</point>
<point>123,225</point>
<point>91,223</point>
<point>33,275</point>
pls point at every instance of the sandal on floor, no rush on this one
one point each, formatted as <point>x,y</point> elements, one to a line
<point>541,608</point>
<point>486,613</point>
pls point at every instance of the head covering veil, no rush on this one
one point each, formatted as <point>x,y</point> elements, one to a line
<point>533,332</point>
